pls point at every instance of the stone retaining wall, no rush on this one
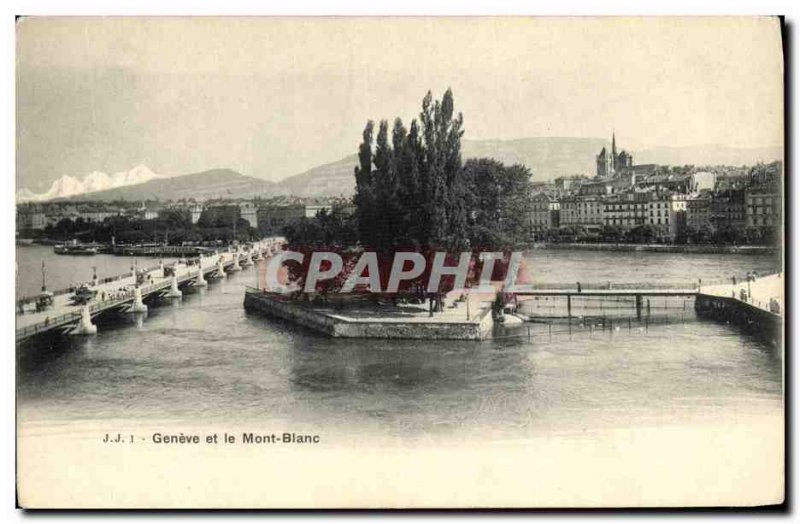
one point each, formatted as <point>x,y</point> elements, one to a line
<point>338,326</point>
<point>758,322</point>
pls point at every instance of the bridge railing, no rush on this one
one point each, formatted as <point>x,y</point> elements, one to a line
<point>654,285</point>
<point>46,324</point>
<point>117,299</point>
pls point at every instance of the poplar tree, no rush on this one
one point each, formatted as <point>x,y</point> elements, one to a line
<point>415,194</point>
<point>442,138</point>
<point>410,194</point>
<point>364,198</point>
<point>383,188</point>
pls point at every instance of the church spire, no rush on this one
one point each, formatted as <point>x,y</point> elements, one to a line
<point>613,151</point>
<point>614,143</point>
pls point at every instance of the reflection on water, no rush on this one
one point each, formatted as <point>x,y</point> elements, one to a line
<point>202,358</point>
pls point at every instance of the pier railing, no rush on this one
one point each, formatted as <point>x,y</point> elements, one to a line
<point>610,285</point>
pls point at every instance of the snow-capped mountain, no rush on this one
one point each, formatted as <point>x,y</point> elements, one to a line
<point>68,186</point>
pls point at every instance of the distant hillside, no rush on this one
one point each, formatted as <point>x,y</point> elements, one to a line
<point>334,179</point>
<point>546,157</point>
<point>214,183</point>
<point>711,155</point>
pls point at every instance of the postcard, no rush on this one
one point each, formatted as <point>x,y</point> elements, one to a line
<point>399,263</point>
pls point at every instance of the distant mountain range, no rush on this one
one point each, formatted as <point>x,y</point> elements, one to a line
<point>546,157</point>
<point>711,155</point>
<point>68,186</point>
<point>214,183</point>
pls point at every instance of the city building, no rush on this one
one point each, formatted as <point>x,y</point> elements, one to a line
<point>149,211</point>
<point>698,211</point>
<point>703,180</point>
<point>544,212</point>
<point>595,188</point>
<point>569,183</point>
<point>626,210</point>
<point>249,212</point>
<point>272,218</point>
<point>30,217</point>
<point>195,210</point>
<point>97,215</point>
<point>678,182</point>
<point>763,207</point>
<point>638,171</point>
<point>728,209</point>
<point>583,212</point>
<point>665,213</point>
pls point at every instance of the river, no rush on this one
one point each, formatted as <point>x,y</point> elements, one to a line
<point>202,358</point>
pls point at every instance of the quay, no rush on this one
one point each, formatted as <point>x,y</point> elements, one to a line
<point>460,320</point>
<point>126,292</point>
<point>756,305</point>
<point>470,318</point>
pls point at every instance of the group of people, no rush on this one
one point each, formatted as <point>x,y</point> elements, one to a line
<point>751,276</point>
<point>120,292</point>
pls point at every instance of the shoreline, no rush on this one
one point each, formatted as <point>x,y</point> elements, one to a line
<point>660,248</point>
<point>588,246</point>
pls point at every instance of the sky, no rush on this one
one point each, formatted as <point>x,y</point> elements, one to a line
<point>273,97</point>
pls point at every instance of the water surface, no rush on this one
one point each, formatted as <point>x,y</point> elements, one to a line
<point>202,359</point>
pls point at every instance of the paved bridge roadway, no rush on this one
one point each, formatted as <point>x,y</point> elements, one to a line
<point>121,293</point>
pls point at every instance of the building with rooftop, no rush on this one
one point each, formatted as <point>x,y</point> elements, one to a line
<point>544,212</point>
<point>582,212</point>
<point>762,207</point>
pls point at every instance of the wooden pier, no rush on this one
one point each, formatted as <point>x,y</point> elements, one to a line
<point>755,303</point>
<point>636,292</point>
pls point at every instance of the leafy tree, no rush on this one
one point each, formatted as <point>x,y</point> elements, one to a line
<point>498,199</point>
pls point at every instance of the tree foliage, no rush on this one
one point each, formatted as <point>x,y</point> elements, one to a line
<point>497,201</point>
<point>410,187</point>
